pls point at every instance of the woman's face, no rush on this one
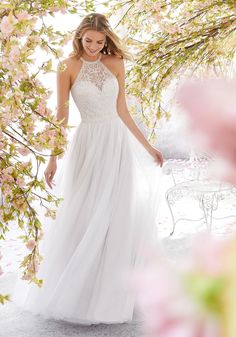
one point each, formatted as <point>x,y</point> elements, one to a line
<point>93,42</point>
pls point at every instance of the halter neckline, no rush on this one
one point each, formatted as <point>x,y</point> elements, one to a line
<point>98,59</point>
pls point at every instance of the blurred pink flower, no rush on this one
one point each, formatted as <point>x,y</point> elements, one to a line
<point>208,254</point>
<point>24,151</point>
<point>41,108</point>
<point>1,271</point>
<point>63,10</point>
<point>14,54</point>
<point>7,190</point>
<point>51,133</point>
<point>33,267</point>
<point>20,182</point>
<point>7,24</point>
<point>166,309</point>
<point>42,138</point>
<point>5,177</point>
<point>31,244</point>
<point>157,6</point>
<point>211,107</point>
<point>140,5</point>
<point>27,277</point>
<point>25,164</point>
<point>41,234</point>
<point>58,8</point>
<point>24,15</point>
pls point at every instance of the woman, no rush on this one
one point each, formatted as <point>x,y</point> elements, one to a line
<point>109,185</point>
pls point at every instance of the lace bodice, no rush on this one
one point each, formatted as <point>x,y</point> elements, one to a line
<point>95,91</point>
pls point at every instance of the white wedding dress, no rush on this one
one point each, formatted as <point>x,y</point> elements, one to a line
<point>107,220</point>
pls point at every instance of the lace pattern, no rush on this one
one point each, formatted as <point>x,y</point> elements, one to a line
<point>95,92</point>
<point>95,73</point>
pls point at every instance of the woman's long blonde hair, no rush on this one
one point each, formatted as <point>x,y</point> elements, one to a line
<point>99,22</point>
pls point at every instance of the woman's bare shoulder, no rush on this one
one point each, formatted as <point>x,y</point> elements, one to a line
<point>114,63</point>
<point>70,62</point>
<point>71,65</point>
<point>112,58</point>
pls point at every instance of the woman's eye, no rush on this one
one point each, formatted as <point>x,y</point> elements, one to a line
<point>90,41</point>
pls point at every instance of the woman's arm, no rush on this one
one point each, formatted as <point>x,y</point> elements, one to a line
<point>63,94</point>
<point>126,117</point>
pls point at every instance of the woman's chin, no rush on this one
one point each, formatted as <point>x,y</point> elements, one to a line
<point>91,53</point>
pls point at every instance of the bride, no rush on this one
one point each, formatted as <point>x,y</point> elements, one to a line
<point>109,183</point>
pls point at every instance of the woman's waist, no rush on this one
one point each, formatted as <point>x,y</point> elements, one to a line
<point>96,118</point>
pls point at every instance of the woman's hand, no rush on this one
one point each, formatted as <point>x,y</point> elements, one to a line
<point>50,172</point>
<point>157,155</point>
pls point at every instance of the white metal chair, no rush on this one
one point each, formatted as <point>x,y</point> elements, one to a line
<point>190,180</point>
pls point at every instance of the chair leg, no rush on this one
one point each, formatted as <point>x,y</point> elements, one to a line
<point>207,205</point>
<point>172,215</point>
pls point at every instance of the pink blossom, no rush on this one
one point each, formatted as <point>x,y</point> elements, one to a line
<point>157,16</point>
<point>210,105</point>
<point>1,218</point>
<point>25,164</point>
<point>41,234</point>
<point>5,177</point>
<point>20,182</point>
<point>54,8</point>
<point>31,244</point>
<point>36,266</point>
<point>42,138</point>
<point>51,142</point>
<point>48,111</point>
<point>166,309</point>
<point>33,266</point>
<point>30,128</point>
<point>27,277</point>
<point>7,24</point>
<point>7,190</point>
<point>38,83</point>
<point>208,254</point>
<point>201,5</point>
<point>24,151</point>
<point>63,10</point>
<point>42,109</point>
<point>169,28</point>
<point>140,5</point>
<point>9,170</point>
<point>38,147</point>
<point>24,15</point>
<point>14,54</point>
<point>34,39</point>
<point>157,6</point>
<point>64,131</point>
<point>51,133</point>
<point>1,271</point>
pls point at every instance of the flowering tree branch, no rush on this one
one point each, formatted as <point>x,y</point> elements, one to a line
<point>169,38</point>
<point>28,128</point>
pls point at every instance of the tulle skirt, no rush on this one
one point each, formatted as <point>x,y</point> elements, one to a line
<point>103,228</point>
